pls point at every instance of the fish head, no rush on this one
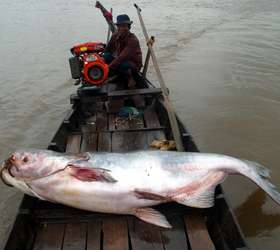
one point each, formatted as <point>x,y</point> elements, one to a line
<point>28,165</point>
<point>11,181</point>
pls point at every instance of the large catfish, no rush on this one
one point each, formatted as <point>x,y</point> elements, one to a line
<point>128,183</point>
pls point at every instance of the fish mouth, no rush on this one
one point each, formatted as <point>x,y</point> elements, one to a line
<point>6,165</point>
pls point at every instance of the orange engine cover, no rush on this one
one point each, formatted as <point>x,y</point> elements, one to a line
<point>95,69</point>
<point>90,47</point>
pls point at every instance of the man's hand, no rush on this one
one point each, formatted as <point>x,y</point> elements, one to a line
<point>108,15</point>
<point>97,4</point>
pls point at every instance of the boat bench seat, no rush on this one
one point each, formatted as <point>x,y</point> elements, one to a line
<point>131,92</point>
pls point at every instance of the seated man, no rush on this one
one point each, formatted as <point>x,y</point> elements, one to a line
<point>123,52</point>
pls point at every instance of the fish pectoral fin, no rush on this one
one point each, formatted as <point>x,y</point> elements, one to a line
<point>91,174</point>
<point>200,199</point>
<point>152,216</point>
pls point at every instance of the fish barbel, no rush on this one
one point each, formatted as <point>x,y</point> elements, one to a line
<point>128,183</point>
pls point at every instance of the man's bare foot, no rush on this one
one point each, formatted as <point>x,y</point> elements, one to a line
<point>131,83</point>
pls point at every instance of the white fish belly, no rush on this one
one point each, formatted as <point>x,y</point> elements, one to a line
<point>116,197</point>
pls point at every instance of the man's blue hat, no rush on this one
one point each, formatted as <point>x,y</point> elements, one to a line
<point>123,19</point>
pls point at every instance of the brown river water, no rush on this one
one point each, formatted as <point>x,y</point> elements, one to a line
<point>220,60</point>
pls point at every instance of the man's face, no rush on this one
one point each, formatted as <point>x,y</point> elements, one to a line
<point>123,28</point>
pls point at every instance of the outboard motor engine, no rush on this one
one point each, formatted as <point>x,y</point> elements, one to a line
<point>87,65</point>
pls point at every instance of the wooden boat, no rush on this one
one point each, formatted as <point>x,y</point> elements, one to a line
<point>93,124</point>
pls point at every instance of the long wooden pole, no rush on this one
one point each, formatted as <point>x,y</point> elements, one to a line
<point>109,29</point>
<point>167,102</point>
<point>146,65</point>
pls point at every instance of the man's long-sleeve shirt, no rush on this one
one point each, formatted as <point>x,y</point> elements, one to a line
<point>125,47</point>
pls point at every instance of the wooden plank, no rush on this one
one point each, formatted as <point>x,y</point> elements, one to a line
<point>94,235</point>
<point>121,123</point>
<point>115,234</point>
<point>136,123</point>
<point>225,217</point>
<point>49,237</point>
<point>90,125</point>
<point>151,118</point>
<point>114,106</point>
<point>73,144</point>
<point>198,235</point>
<point>75,236</point>
<point>175,238</point>
<point>89,142</point>
<point>135,130</point>
<point>217,235</point>
<point>111,122</point>
<point>105,142</point>
<point>130,92</point>
<point>144,235</point>
<point>101,121</point>
<point>139,101</point>
<point>154,135</point>
<point>128,141</point>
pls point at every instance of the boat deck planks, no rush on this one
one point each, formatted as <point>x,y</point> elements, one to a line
<point>101,121</point>
<point>144,236</point>
<point>175,238</point>
<point>89,142</point>
<point>133,92</point>
<point>111,122</point>
<point>105,142</point>
<point>73,143</point>
<point>151,118</point>
<point>128,141</point>
<point>94,235</point>
<point>197,232</point>
<point>49,237</point>
<point>95,231</point>
<point>75,236</point>
<point>115,234</point>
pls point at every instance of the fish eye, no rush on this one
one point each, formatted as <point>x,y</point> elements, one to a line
<point>25,159</point>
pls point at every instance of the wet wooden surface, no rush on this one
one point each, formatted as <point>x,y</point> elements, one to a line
<point>197,232</point>
<point>115,233</point>
<point>175,238</point>
<point>49,236</point>
<point>145,236</point>
<point>78,229</point>
<point>75,236</point>
<point>94,235</point>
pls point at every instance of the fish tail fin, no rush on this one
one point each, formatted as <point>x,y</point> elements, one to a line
<point>261,175</point>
